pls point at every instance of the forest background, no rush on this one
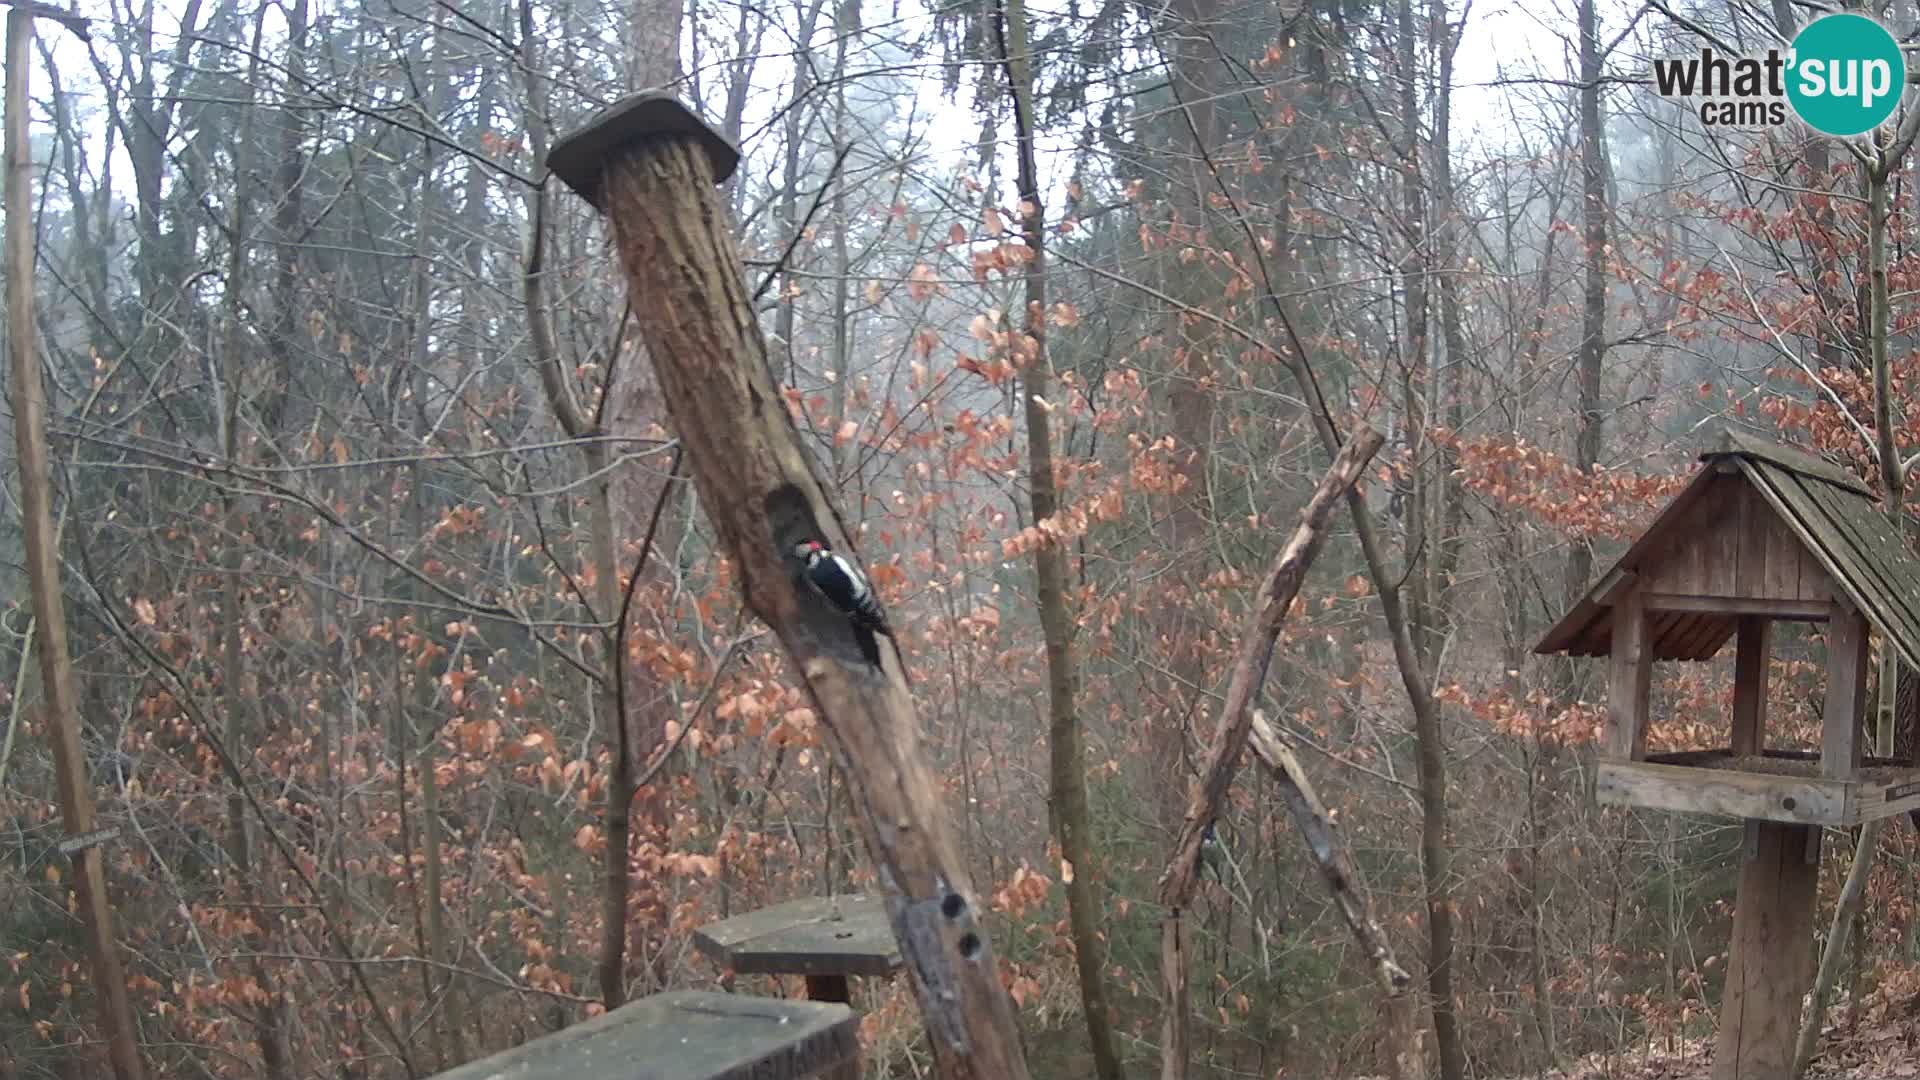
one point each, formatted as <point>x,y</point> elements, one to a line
<point>356,472</point>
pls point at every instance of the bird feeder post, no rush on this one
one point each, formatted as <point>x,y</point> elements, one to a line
<point>1770,953</point>
<point>1763,533</point>
<point>650,166</point>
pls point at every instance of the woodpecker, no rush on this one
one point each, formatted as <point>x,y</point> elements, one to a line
<point>1213,854</point>
<point>843,586</point>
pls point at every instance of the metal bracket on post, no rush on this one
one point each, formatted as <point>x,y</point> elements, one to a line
<point>1752,839</point>
<point>1814,834</point>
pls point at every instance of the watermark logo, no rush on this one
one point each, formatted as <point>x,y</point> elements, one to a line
<point>1842,75</point>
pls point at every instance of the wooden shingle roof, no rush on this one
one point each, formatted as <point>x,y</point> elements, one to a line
<point>1832,514</point>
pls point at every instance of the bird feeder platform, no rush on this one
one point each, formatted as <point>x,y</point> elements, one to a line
<point>825,939</point>
<point>686,1035</point>
<point>1776,785</point>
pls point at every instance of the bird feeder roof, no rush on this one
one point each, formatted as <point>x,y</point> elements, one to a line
<point>1840,534</point>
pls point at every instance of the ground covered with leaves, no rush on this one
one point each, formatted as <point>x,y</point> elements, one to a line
<point>1880,1042</point>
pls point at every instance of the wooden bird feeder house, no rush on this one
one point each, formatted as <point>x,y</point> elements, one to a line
<point>1764,533</point>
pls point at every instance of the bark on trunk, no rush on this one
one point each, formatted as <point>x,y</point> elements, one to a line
<point>1450,379</point>
<point>1411,482</point>
<point>1888,153</point>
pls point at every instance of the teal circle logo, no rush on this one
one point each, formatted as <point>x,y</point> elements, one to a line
<point>1846,74</point>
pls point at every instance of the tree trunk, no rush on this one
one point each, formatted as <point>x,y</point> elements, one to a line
<point>92,903</point>
<point>846,25</point>
<point>1429,738</point>
<point>616,875</point>
<point>1887,155</point>
<point>1071,818</point>
<point>1450,379</point>
<point>268,1014</point>
<point>1411,483</point>
<point>1177,627</point>
<point>1593,327</point>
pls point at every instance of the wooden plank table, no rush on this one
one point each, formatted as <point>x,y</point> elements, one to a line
<point>686,1035</point>
<point>825,939</point>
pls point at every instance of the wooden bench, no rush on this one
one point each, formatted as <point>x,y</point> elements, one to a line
<point>826,939</point>
<point>686,1035</point>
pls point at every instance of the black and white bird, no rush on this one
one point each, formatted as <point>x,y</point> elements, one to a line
<point>842,585</point>
<point>1213,854</point>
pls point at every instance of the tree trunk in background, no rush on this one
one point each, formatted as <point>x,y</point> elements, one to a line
<point>655,60</point>
<point>269,1013</point>
<point>1178,632</point>
<point>846,23</point>
<point>1071,819</point>
<point>1421,635</point>
<point>616,819</point>
<point>1888,154</point>
<point>796,113</point>
<point>1450,379</point>
<point>1411,483</point>
<point>637,411</point>
<point>92,905</point>
<point>1593,328</point>
<point>1207,794</point>
<point>1436,855</point>
<point>1819,241</point>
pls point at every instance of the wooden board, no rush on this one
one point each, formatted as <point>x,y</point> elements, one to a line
<point>1716,782</point>
<point>1750,685</point>
<point>1757,525</point>
<point>1732,440</point>
<point>1630,672</point>
<point>1840,742</point>
<point>1770,958</point>
<point>1723,792</point>
<point>1881,798</point>
<point>1856,545</point>
<point>685,1035</point>
<point>1732,544</point>
<point>845,935</point>
<point>1793,610</point>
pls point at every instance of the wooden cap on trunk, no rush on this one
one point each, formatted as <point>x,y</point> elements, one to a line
<point>580,156</point>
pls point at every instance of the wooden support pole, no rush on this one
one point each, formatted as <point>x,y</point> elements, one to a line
<point>832,988</point>
<point>835,989</point>
<point>1208,790</point>
<point>43,567</point>
<point>1342,876</point>
<point>1846,694</point>
<point>651,166</point>
<point>1752,650</point>
<point>1630,680</point>
<point>1770,959</point>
